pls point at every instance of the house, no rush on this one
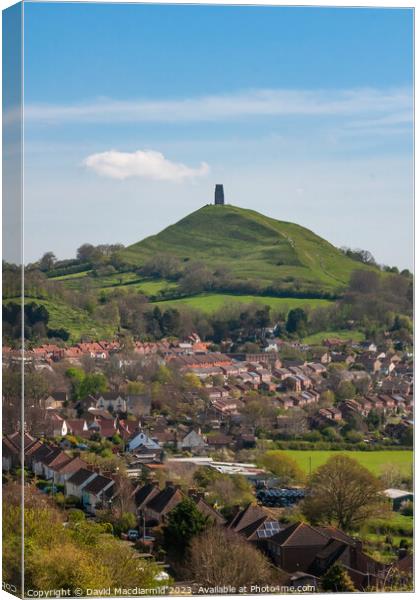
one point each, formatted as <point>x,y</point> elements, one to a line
<point>313,550</point>
<point>97,493</point>
<point>12,449</point>
<point>398,497</point>
<point>161,504</point>
<point>143,494</point>
<point>57,425</point>
<point>78,427</point>
<point>317,368</point>
<point>55,400</point>
<point>53,461</point>
<point>112,401</point>
<point>371,363</point>
<point>75,484</point>
<point>192,442</point>
<point>332,413</point>
<point>35,462</point>
<point>369,347</point>
<point>11,455</point>
<point>94,350</point>
<point>217,392</point>
<point>254,524</point>
<point>246,440</point>
<point>219,441</point>
<point>140,438</point>
<point>64,471</point>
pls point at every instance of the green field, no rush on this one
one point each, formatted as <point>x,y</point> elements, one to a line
<point>209,303</point>
<point>375,461</point>
<point>344,334</point>
<point>127,281</point>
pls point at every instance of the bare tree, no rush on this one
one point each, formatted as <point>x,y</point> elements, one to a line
<point>222,557</point>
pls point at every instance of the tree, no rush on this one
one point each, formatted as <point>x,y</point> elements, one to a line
<point>79,555</point>
<point>184,521</point>
<point>227,491</point>
<point>345,391</point>
<point>86,384</point>
<point>283,466</point>
<point>47,261</point>
<point>222,557</point>
<point>296,321</point>
<point>341,492</point>
<point>336,579</point>
<point>364,282</point>
<point>88,253</point>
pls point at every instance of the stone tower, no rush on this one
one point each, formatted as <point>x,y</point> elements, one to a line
<point>219,195</point>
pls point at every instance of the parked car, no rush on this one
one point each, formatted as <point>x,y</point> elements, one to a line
<point>133,535</point>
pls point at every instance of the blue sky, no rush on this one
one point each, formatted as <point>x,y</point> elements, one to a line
<point>134,112</point>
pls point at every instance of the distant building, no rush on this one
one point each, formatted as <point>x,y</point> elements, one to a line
<point>219,195</point>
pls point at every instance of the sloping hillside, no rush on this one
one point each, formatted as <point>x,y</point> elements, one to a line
<point>251,246</point>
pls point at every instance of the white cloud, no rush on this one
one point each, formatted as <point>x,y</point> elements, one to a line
<point>367,102</point>
<point>148,164</point>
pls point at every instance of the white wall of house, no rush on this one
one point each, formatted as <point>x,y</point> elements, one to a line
<point>76,490</point>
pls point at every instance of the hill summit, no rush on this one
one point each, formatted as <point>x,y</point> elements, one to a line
<point>251,247</point>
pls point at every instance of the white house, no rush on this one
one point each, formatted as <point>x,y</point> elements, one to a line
<point>115,402</point>
<point>140,438</point>
<point>193,442</point>
<point>75,484</point>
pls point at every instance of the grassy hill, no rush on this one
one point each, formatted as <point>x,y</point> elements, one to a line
<point>252,246</point>
<point>276,263</point>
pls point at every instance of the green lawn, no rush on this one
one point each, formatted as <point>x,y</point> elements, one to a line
<point>375,461</point>
<point>129,281</point>
<point>212,302</point>
<point>343,334</point>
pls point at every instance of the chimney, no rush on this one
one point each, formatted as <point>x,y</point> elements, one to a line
<point>219,195</point>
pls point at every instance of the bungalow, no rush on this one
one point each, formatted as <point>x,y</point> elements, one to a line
<point>63,472</point>
<point>74,485</point>
<point>36,460</point>
<point>53,461</point>
<point>97,492</point>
